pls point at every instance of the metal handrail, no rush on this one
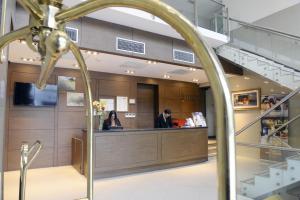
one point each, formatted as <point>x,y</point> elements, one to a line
<point>283,125</point>
<point>269,30</point>
<point>281,141</point>
<point>25,163</point>
<point>266,146</point>
<point>287,97</point>
<point>217,2</point>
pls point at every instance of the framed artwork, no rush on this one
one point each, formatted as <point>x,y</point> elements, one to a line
<point>246,99</point>
<point>66,83</point>
<point>75,99</point>
<point>276,118</point>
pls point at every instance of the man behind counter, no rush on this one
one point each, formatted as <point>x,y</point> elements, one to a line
<point>164,120</point>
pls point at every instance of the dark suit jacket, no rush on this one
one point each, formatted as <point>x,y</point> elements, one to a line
<point>161,123</point>
<point>107,124</point>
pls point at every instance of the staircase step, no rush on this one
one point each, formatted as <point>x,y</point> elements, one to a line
<point>282,166</point>
<point>250,181</point>
<point>264,174</point>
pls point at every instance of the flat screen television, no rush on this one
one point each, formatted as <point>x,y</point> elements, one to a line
<point>27,94</point>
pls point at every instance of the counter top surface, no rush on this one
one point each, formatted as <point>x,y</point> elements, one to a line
<point>146,129</point>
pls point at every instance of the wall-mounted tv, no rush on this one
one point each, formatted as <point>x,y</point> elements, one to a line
<point>27,94</point>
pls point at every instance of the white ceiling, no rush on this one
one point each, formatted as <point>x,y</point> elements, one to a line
<point>109,63</point>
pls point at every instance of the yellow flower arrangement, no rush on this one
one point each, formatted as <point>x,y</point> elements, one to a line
<point>98,106</point>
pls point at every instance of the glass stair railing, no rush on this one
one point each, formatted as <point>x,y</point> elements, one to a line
<point>208,14</point>
<point>274,71</point>
<point>270,53</point>
<point>270,168</point>
<point>271,44</point>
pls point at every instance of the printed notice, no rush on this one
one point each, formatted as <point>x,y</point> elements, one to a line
<point>122,104</point>
<point>108,104</point>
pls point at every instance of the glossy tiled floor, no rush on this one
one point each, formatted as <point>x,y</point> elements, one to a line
<point>194,182</point>
<point>64,183</point>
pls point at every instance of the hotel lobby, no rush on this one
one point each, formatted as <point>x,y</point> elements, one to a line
<point>139,100</point>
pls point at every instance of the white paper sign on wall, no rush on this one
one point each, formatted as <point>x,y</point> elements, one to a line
<point>122,104</point>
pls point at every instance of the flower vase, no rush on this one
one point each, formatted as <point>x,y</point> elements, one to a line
<point>101,120</point>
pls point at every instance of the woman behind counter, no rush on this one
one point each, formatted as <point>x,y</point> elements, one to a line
<point>111,121</point>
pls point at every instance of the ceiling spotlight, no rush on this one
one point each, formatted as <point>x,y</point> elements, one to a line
<point>151,62</point>
<point>195,80</point>
<point>129,71</point>
<point>266,82</point>
<point>166,76</point>
<point>282,92</point>
<point>192,69</point>
<point>246,78</point>
<point>94,53</point>
<point>27,59</point>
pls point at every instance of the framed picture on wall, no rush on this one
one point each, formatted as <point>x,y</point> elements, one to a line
<point>246,99</point>
<point>75,99</point>
<point>66,83</point>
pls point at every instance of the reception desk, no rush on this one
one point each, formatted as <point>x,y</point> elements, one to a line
<point>122,152</point>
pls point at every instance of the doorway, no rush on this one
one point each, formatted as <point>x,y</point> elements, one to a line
<point>147,105</point>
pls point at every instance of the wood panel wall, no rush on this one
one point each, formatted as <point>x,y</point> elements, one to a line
<point>55,126</point>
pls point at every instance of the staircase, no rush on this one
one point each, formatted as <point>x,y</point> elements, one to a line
<point>282,178</point>
<point>284,75</point>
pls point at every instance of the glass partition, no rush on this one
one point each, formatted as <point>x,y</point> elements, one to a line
<point>260,178</point>
<point>284,50</point>
<point>268,164</point>
<point>208,14</point>
<point>212,15</point>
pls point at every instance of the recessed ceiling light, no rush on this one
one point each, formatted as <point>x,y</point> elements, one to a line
<point>129,71</point>
<point>166,76</point>
<point>283,92</point>
<point>195,80</point>
<point>266,82</point>
<point>27,59</point>
<point>94,53</point>
<point>75,65</point>
<point>246,78</point>
<point>151,62</point>
<point>192,69</point>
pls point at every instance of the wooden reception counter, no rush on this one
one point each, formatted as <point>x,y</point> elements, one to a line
<point>130,151</point>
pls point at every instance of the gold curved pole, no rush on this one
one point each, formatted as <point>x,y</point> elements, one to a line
<point>12,36</point>
<point>47,68</point>
<point>33,8</point>
<point>209,61</point>
<point>88,96</point>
